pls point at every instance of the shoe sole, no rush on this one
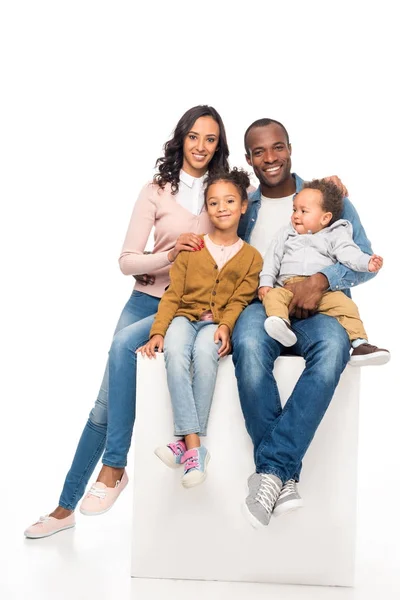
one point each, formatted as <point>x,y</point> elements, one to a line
<point>192,484</point>
<point>39,536</point>
<point>287,507</point>
<point>277,329</point>
<point>250,518</point>
<point>377,358</point>
<point>166,459</point>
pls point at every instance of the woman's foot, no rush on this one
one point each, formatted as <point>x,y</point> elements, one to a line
<point>104,492</point>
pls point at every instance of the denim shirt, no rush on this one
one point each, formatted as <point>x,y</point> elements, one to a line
<point>339,277</point>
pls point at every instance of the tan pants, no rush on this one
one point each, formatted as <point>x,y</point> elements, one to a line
<point>333,304</point>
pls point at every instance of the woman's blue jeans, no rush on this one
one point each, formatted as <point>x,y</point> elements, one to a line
<point>134,325</point>
<point>281,437</point>
<point>189,346</point>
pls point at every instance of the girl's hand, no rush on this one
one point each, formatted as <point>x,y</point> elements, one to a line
<point>375,263</point>
<point>149,349</point>
<point>264,289</point>
<point>186,241</point>
<point>222,335</point>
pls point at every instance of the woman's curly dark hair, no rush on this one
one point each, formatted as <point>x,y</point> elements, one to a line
<point>170,164</point>
<point>332,199</point>
<point>238,177</point>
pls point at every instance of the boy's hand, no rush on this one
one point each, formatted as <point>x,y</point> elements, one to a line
<point>375,263</point>
<point>264,289</point>
<point>223,335</point>
<point>149,349</point>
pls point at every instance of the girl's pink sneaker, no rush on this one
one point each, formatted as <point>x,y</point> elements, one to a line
<point>49,526</point>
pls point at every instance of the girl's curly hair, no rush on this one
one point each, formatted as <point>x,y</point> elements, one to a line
<point>170,164</point>
<point>238,177</point>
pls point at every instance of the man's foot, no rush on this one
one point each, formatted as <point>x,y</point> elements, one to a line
<point>289,499</point>
<point>280,331</point>
<point>366,354</point>
<point>172,453</point>
<point>195,466</point>
<point>101,498</point>
<point>264,492</point>
<point>48,525</point>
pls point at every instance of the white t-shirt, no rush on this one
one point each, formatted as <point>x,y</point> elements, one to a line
<point>274,213</point>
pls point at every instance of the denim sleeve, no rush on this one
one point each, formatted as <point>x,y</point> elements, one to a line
<point>339,276</point>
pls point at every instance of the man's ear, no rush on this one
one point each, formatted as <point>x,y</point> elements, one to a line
<point>248,160</point>
<point>290,149</point>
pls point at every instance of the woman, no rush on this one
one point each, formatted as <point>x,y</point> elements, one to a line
<point>172,203</point>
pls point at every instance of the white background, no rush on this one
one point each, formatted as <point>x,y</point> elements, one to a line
<point>90,92</point>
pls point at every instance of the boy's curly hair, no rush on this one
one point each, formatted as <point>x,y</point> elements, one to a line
<point>332,199</point>
<point>239,177</point>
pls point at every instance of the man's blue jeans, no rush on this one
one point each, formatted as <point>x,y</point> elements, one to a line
<point>134,325</point>
<point>281,436</point>
<point>191,344</point>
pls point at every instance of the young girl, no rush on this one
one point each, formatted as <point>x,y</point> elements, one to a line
<point>173,204</point>
<point>196,316</point>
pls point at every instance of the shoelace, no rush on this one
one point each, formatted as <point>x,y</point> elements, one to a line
<point>98,493</point>
<point>288,488</point>
<point>267,492</point>
<point>44,519</point>
<point>177,448</point>
<point>191,460</point>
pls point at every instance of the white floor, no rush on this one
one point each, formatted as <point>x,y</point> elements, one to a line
<point>93,561</point>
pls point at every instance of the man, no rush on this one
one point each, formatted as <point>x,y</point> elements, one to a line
<point>282,437</point>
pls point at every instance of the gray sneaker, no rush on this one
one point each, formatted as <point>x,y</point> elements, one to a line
<point>264,491</point>
<point>289,499</point>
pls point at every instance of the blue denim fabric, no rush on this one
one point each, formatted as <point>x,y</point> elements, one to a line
<point>93,438</point>
<point>281,437</point>
<point>339,277</point>
<point>191,343</point>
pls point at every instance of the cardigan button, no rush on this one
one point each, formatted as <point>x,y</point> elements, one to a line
<point>212,303</point>
<point>214,293</point>
<point>217,281</point>
<point>215,266</point>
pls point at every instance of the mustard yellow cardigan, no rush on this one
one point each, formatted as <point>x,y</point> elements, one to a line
<point>198,285</point>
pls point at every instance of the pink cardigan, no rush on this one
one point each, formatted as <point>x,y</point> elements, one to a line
<point>159,209</point>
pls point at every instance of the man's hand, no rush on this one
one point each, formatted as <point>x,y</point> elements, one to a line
<point>307,295</point>
<point>223,335</point>
<point>145,279</point>
<point>375,263</point>
<point>335,179</point>
<point>264,289</point>
<point>149,349</point>
<point>186,241</point>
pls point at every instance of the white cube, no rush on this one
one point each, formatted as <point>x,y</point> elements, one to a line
<point>201,533</point>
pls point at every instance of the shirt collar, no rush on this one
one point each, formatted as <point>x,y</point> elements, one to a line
<point>189,180</point>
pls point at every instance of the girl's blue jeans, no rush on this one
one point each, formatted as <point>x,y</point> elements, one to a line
<point>110,422</point>
<point>189,346</point>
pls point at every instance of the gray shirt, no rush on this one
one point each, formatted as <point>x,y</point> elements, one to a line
<point>291,253</point>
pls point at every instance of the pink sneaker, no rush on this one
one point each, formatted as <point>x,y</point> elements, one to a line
<point>100,498</point>
<point>49,526</point>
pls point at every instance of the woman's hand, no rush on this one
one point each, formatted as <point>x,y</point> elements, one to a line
<point>223,335</point>
<point>186,241</point>
<point>264,289</point>
<point>149,349</point>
